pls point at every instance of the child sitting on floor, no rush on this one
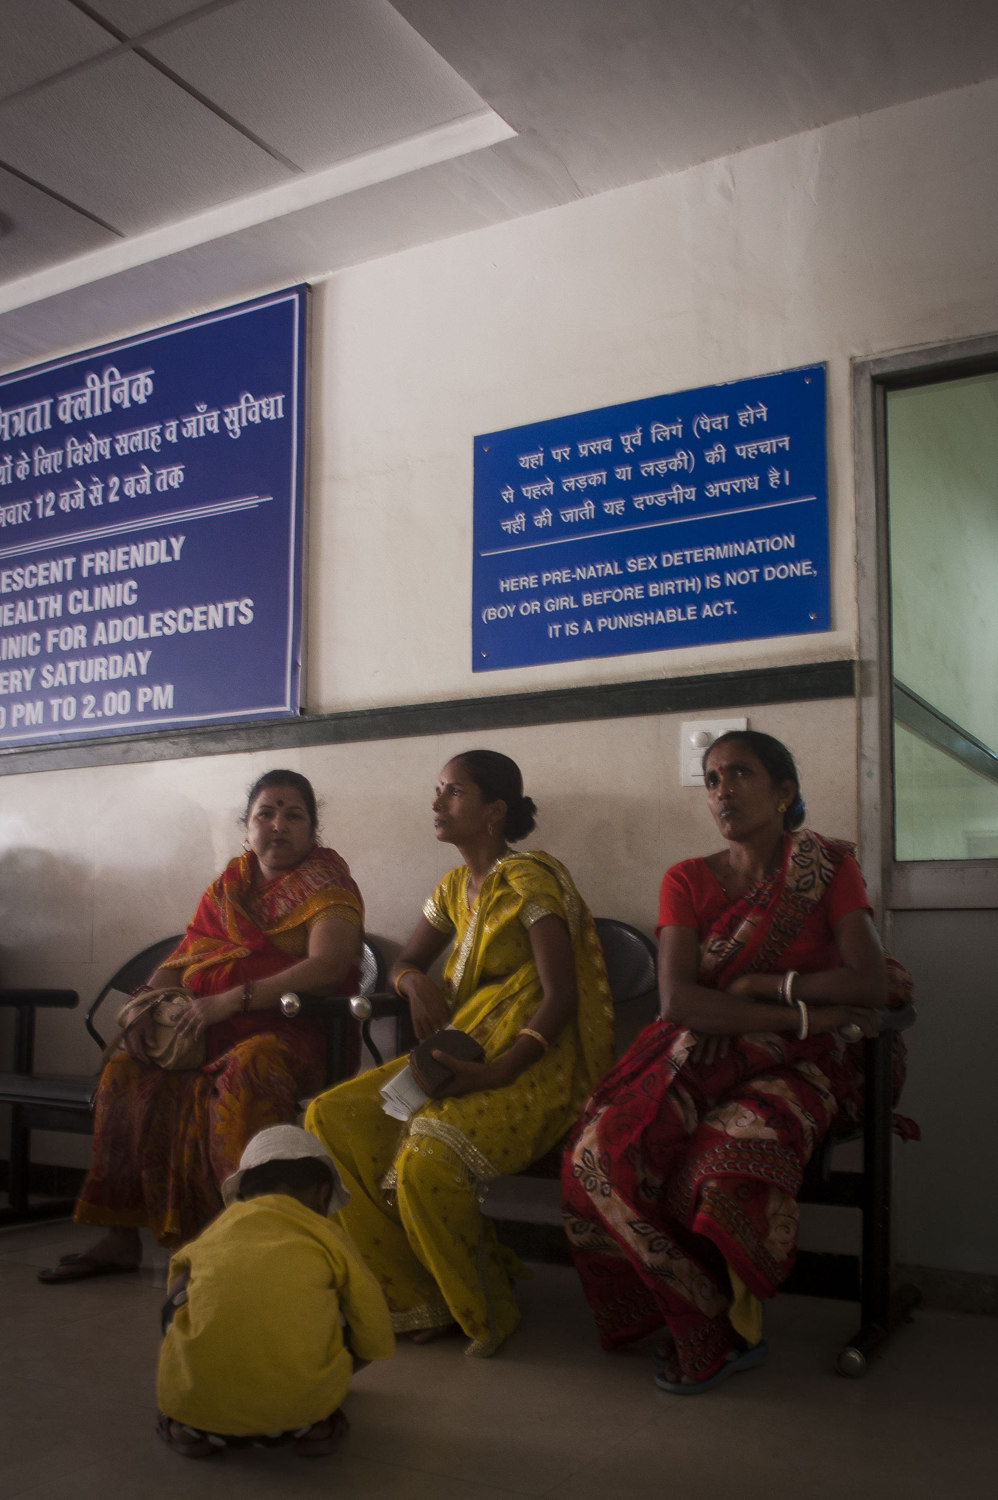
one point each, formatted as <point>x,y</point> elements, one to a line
<point>267,1309</point>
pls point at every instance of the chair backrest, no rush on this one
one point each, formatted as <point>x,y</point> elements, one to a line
<point>372,969</point>
<point>630,967</point>
<point>131,974</point>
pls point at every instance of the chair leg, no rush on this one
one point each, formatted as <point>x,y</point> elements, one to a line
<point>881,1311</point>
<point>20,1149</point>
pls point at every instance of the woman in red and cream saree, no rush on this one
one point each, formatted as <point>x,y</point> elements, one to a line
<point>680,1186</point>
<point>286,914</point>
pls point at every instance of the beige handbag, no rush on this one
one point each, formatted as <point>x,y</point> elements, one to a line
<point>149,1033</point>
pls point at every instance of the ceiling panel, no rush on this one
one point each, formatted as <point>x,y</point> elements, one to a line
<point>42,231</point>
<point>636,88</point>
<point>332,81</point>
<point>602,92</point>
<point>134,17</point>
<point>132,148</point>
<point>39,37</point>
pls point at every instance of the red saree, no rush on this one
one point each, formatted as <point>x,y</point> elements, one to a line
<point>678,1169</point>
<point>163,1142</point>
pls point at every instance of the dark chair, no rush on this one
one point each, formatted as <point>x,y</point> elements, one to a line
<point>865,1277</point>
<point>65,1103</point>
<point>55,1102</point>
<point>339,1020</point>
<point>630,962</point>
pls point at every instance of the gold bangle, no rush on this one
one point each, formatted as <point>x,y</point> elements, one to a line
<point>410,969</point>
<point>529,1031</point>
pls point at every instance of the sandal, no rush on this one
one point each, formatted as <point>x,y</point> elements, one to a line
<point>322,1438</point>
<point>746,1359</point>
<point>82,1268</point>
<point>186,1441</point>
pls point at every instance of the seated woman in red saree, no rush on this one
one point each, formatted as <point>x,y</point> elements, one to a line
<point>680,1185</point>
<point>283,915</point>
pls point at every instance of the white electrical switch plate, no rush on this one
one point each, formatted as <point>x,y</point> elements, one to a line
<point>696,736</point>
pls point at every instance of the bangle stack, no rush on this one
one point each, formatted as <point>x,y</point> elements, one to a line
<point>529,1031</point>
<point>805,1021</point>
<point>409,969</point>
<point>787,987</point>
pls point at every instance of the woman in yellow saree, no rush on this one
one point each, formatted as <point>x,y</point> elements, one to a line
<point>526,979</point>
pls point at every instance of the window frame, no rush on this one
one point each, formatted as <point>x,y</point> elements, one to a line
<point>917,884</point>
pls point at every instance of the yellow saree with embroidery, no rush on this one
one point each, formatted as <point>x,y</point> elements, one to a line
<point>415,1189</point>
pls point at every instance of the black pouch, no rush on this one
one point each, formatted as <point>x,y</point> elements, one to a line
<point>433,1075</point>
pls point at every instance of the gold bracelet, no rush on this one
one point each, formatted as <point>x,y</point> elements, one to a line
<point>410,969</point>
<point>529,1031</point>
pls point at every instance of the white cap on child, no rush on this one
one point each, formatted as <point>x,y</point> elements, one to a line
<point>284,1143</point>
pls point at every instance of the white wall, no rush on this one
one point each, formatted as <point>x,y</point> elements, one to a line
<point>856,239</point>
<point>852,240</point>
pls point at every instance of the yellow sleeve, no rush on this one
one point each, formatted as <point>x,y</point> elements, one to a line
<point>543,895</point>
<point>362,1302</point>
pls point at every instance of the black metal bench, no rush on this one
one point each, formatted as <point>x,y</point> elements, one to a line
<point>65,1102</point>
<point>527,1209</point>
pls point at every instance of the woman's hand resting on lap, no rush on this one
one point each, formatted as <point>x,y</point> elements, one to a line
<point>824,1018</point>
<point>473,1077</point>
<point>426,1005</point>
<point>207,1010</point>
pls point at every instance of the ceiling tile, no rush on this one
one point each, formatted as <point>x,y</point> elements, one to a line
<point>131,147</point>
<point>134,17</point>
<point>40,37</point>
<point>331,81</point>
<point>41,231</point>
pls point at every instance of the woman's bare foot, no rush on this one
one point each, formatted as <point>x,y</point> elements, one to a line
<point>117,1251</point>
<point>117,1247</point>
<point>667,1358</point>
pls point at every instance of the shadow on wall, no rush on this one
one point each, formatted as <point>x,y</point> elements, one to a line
<point>46,907</point>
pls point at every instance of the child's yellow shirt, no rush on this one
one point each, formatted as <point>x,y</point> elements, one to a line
<point>259,1345</point>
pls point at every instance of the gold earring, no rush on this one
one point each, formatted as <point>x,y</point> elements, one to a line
<point>781,808</point>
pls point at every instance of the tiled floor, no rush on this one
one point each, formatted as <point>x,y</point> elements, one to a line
<point>551,1416</point>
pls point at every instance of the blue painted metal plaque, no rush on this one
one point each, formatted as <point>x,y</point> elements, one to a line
<point>150,529</point>
<point>682,520</point>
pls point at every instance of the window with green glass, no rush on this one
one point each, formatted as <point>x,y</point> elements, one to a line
<point>942,495</point>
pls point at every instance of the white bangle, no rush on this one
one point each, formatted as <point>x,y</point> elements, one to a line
<point>805,1021</point>
<point>787,987</point>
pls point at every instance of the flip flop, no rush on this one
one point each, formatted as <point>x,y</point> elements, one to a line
<point>82,1268</point>
<point>746,1360</point>
<point>185,1441</point>
<point>313,1443</point>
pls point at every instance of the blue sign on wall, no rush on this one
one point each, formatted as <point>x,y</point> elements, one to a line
<point>681,520</point>
<point>150,529</point>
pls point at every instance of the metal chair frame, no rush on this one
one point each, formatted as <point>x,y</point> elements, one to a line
<point>65,1102</point>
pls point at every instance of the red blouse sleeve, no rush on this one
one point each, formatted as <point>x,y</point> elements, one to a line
<point>677,902</point>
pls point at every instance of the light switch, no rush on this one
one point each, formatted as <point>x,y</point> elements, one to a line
<point>696,736</point>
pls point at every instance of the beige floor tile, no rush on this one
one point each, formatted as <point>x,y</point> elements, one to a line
<point>552,1416</point>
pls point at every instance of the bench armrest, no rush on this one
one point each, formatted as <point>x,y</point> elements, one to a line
<point>61,999</point>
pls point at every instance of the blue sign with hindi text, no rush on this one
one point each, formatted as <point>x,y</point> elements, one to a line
<point>682,520</point>
<point>150,529</point>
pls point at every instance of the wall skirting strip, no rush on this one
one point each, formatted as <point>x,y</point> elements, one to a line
<point>659,695</point>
